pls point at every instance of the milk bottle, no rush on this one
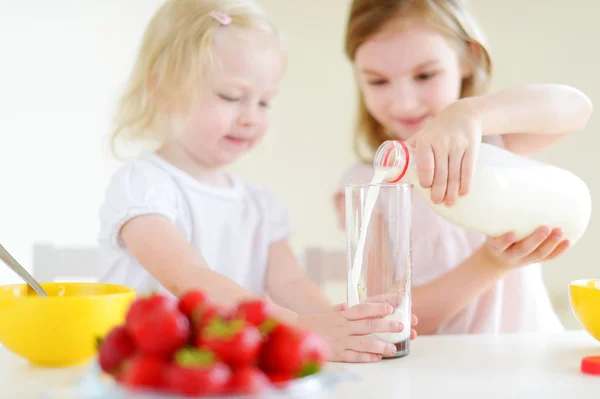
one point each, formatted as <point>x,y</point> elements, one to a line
<point>508,193</point>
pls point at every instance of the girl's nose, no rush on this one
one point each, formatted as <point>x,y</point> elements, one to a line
<point>404,101</point>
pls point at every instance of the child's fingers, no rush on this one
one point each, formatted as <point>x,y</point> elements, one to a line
<point>413,334</point>
<point>369,344</point>
<point>559,250</point>
<point>351,356</point>
<point>500,244</point>
<point>425,162</point>
<point>374,325</point>
<point>414,320</point>
<point>440,176</point>
<point>340,307</point>
<point>545,248</point>
<point>392,299</point>
<point>529,244</point>
<point>466,171</point>
<point>368,310</point>
<point>454,162</point>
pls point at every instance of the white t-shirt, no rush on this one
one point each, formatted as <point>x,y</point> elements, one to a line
<point>518,302</point>
<point>231,228</point>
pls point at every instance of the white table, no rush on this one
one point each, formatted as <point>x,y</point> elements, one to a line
<point>492,367</point>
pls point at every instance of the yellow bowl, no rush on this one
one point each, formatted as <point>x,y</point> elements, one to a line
<point>62,329</point>
<point>585,302</point>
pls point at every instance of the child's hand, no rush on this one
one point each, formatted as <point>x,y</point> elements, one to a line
<point>446,150</point>
<point>347,331</point>
<point>414,320</point>
<point>542,245</point>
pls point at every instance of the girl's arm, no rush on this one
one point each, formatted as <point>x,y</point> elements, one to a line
<point>532,117</point>
<point>159,246</point>
<point>289,286</point>
<point>441,299</point>
<point>528,119</point>
<point>162,250</point>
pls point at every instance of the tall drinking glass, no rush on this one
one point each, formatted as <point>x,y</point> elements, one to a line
<point>378,241</point>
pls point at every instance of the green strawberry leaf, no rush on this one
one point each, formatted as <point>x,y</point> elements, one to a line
<point>188,357</point>
<point>236,326</point>
<point>217,328</point>
<point>267,326</point>
<point>309,369</point>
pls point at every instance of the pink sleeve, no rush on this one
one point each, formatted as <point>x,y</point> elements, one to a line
<point>429,257</point>
<point>438,246</point>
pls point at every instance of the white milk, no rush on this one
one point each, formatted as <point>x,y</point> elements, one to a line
<point>508,193</point>
<point>355,287</point>
<point>402,316</point>
<point>354,277</point>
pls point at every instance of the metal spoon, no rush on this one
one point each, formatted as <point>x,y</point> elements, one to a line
<point>20,270</point>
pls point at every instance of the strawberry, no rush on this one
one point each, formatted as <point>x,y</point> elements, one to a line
<point>143,371</point>
<point>114,350</point>
<point>248,381</point>
<point>290,350</point>
<point>235,342</point>
<point>191,301</point>
<point>202,315</point>
<point>257,312</point>
<point>161,331</point>
<point>142,306</point>
<point>279,379</point>
<point>196,372</point>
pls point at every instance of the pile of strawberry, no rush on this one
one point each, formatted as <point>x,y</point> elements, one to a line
<point>192,347</point>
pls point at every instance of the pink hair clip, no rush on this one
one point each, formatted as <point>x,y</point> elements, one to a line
<point>221,17</point>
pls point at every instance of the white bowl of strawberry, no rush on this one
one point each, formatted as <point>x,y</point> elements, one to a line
<point>192,348</point>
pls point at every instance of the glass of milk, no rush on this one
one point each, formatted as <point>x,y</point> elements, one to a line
<point>378,242</point>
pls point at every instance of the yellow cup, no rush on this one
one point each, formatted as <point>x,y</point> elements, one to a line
<point>585,302</point>
<point>62,329</point>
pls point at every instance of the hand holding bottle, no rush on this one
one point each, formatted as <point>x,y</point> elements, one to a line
<point>500,191</point>
<point>445,152</point>
<point>542,245</point>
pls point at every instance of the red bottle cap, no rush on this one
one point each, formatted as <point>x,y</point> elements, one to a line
<point>591,365</point>
<point>388,153</point>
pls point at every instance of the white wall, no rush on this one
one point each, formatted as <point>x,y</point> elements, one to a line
<point>63,62</point>
<point>61,65</point>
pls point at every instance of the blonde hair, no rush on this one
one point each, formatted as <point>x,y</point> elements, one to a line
<point>176,49</point>
<point>368,17</point>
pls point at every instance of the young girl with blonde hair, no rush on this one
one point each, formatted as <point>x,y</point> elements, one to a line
<point>175,219</point>
<point>423,70</point>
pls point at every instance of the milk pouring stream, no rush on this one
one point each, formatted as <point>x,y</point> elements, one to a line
<point>508,193</point>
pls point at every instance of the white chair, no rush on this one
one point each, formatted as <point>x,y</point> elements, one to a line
<point>327,268</point>
<point>78,263</point>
